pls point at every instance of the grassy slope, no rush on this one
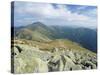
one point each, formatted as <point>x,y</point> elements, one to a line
<point>32,35</point>
<point>64,44</point>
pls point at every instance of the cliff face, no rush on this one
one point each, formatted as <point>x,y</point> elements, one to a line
<point>30,57</point>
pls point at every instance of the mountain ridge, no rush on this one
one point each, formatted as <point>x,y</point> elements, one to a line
<point>79,35</point>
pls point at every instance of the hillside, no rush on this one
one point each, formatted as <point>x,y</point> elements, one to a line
<point>41,48</point>
<point>33,56</point>
<point>41,32</point>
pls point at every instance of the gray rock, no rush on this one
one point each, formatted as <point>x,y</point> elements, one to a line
<point>77,67</point>
<point>30,59</point>
<point>69,64</point>
<point>30,65</point>
<point>71,55</point>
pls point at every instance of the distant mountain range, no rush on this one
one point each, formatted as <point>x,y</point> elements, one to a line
<point>44,33</point>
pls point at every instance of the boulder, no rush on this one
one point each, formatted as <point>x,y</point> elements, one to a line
<point>29,59</point>
<point>30,65</point>
<point>68,63</point>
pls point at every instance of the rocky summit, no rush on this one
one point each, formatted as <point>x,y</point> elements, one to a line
<point>32,56</point>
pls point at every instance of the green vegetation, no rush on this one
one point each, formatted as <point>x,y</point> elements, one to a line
<point>39,48</point>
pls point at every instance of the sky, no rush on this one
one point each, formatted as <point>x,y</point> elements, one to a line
<point>55,14</point>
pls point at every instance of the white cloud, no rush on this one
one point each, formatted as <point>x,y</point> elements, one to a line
<point>48,14</point>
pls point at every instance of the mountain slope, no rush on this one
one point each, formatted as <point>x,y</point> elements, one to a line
<point>38,32</point>
<point>84,36</point>
<point>41,32</point>
<point>40,48</point>
<point>51,56</point>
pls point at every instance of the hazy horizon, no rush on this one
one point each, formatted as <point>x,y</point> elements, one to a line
<point>55,14</point>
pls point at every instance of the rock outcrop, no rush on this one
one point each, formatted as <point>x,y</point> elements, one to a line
<point>29,59</point>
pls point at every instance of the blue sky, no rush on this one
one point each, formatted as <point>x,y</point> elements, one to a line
<point>55,14</point>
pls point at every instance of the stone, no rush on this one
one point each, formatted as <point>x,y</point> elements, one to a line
<point>69,64</point>
<point>14,51</point>
<point>77,67</point>
<point>29,59</point>
<point>89,63</point>
<point>71,55</point>
<point>29,66</point>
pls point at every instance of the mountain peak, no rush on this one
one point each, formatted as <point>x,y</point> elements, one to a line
<point>38,24</point>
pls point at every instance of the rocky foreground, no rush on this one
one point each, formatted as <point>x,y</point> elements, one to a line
<point>29,59</point>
